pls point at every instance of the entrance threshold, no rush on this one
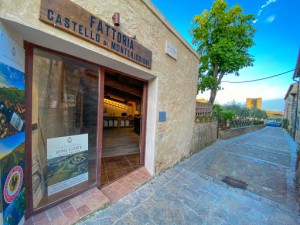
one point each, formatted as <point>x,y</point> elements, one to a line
<point>92,200</point>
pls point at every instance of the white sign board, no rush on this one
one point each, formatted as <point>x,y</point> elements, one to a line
<point>67,162</point>
<point>171,50</point>
<point>11,54</point>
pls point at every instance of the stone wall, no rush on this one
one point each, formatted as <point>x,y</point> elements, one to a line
<point>204,134</point>
<point>230,133</point>
<point>297,183</point>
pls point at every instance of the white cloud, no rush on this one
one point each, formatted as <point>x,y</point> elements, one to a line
<point>239,92</point>
<point>3,82</point>
<point>270,19</point>
<point>268,3</point>
<point>264,6</point>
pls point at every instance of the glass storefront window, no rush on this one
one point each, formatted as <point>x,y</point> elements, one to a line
<point>64,127</point>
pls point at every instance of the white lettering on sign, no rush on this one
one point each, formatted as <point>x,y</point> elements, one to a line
<point>68,145</point>
<point>171,50</point>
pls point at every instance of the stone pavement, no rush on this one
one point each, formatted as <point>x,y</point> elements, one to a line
<point>193,193</point>
<point>74,209</point>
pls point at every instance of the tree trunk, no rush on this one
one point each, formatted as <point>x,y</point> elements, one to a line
<point>213,91</point>
<point>213,94</point>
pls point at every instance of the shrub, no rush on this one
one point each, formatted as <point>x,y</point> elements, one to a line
<point>256,122</point>
<point>285,123</point>
<point>227,115</point>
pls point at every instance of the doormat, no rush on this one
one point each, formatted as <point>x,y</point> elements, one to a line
<point>235,183</point>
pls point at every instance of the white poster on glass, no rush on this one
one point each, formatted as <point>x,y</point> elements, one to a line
<point>67,162</point>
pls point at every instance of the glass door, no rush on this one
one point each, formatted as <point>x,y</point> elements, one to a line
<point>64,127</point>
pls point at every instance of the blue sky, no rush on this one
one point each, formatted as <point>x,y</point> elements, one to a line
<point>277,42</point>
<point>11,77</point>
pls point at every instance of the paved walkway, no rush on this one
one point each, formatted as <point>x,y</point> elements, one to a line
<point>193,193</point>
<point>76,208</point>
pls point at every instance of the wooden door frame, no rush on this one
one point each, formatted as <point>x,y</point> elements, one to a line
<point>29,53</point>
<point>101,81</point>
<point>143,124</point>
<point>28,127</point>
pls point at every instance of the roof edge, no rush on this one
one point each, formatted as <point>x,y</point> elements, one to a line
<point>164,20</point>
<point>289,90</point>
<point>297,67</point>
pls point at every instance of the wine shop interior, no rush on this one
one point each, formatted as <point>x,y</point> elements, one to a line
<point>122,126</point>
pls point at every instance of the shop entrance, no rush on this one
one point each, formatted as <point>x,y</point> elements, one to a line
<point>122,114</point>
<point>86,122</point>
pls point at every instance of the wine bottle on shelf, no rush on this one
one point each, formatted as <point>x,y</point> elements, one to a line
<point>13,118</point>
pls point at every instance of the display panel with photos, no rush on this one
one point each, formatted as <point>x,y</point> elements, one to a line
<point>12,135</point>
<point>12,101</point>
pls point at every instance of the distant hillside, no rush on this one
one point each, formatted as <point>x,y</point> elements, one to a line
<point>273,104</point>
<point>4,155</point>
<point>10,88</point>
<point>15,157</point>
<point>12,94</point>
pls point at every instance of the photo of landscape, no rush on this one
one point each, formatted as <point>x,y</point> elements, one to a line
<point>8,147</point>
<point>12,101</point>
<point>67,167</point>
<point>12,153</point>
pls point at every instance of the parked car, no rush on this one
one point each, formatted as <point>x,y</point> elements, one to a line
<point>273,124</point>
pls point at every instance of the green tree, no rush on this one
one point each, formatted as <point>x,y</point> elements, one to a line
<point>238,109</point>
<point>223,39</point>
<point>258,113</point>
<point>254,112</point>
<point>261,114</point>
<point>285,124</point>
<point>217,111</point>
<point>227,115</point>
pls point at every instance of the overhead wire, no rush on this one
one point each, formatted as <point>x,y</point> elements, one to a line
<point>248,81</point>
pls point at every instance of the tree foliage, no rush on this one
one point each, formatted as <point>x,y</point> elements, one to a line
<point>217,111</point>
<point>237,108</point>
<point>243,112</point>
<point>222,114</point>
<point>223,39</point>
<point>13,95</point>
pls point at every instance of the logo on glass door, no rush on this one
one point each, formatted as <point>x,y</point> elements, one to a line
<point>69,140</point>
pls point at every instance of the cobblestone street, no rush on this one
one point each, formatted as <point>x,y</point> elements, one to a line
<point>193,192</point>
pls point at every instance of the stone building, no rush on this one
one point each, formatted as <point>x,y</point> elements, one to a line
<point>296,77</point>
<point>296,130</point>
<point>253,103</point>
<point>290,107</point>
<point>101,79</point>
<point>271,113</point>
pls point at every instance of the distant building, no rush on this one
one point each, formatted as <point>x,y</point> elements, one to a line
<point>202,100</point>
<point>271,113</point>
<point>203,109</point>
<point>253,103</point>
